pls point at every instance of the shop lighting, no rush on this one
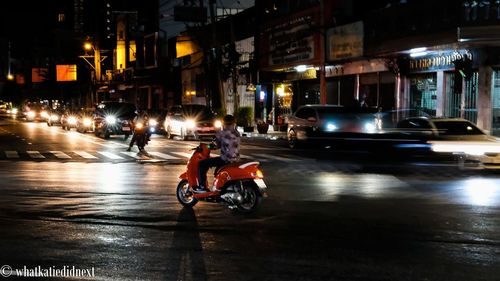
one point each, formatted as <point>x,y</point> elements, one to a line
<point>419,54</point>
<point>301,68</point>
<point>418,50</point>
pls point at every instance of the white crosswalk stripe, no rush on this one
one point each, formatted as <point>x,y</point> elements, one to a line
<point>183,154</point>
<point>35,154</point>
<point>85,155</point>
<point>110,155</point>
<point>163,155</point>
<point>60,154</point>
<point>11,154</point>
<point>135,155</point>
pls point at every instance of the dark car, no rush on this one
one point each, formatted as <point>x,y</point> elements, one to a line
<point>69,119</point>
<point>156,120</point>
<point>191,120</point>
<point>54,118</point>
<point>114,118</point>
<point>329,123</point>
<point>85,121</point>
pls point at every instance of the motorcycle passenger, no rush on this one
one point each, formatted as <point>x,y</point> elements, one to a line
<point>228,140</point>
<point>140,117</point>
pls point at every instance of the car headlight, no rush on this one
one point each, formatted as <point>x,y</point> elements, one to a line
<point>31,114</point>
<point>14,111</point>
<point>370,127</point>
<point>54,117</point>
<point>87,122</point>
<point>190,124</point>
<point>153,122</point>
<point>72,120</point>
<point>330,127</point>
<point>44,114</point>
<point>110,120</point>
<point>218,124</point>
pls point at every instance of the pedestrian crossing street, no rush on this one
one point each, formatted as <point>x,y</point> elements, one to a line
<point>123,156</point>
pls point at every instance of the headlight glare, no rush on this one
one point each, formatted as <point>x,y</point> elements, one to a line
<point>110,120</point>
<point>190,124</point>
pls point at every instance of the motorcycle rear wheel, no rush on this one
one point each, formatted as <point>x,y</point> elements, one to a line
<point>251,198</point>
<point>182,194</point>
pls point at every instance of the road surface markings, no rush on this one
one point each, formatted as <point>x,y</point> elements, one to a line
<point>110,155</point>
<point>135,155</point>
<point>35,154</point>
<point>60,154</point>
<point>163,155</point>
<point>85,155</point>
<point>183,154</point>
<point>11,154</point>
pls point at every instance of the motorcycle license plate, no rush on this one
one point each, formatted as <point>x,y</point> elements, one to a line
<point>260,183</point>
<point>126,129</point>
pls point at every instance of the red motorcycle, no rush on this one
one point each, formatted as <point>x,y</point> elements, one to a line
<point>239,185</point>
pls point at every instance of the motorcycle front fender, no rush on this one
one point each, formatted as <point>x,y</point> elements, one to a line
<point>183,176</point>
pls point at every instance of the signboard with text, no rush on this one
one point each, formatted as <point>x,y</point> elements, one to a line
<point>345,42</point>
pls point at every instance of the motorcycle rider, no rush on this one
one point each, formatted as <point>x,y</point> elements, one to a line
<point>140,117</point>
<point>228,140</point>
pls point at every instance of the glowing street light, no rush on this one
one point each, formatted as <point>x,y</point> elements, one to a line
<point>10,76</point>
<point>87,46</point>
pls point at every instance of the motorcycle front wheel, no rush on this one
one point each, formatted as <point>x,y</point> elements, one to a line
<point>251,199</point>
<point>184,195</point>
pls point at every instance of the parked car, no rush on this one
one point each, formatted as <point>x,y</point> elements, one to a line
<point>114,118</point>
<point>54,118</point>
<point>455,136</point>
<point>191,120</point>
<point>312,123</point>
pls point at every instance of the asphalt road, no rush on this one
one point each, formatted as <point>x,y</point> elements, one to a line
<point>326,218</point>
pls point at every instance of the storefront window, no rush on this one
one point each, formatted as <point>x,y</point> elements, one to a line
<point>495,104</point>
<point>464,103</point>
<point>423,93</point>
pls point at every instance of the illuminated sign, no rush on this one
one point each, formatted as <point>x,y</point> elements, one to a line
<point>39,75</point>
<point>66,72</point>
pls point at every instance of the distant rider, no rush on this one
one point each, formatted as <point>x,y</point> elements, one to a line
<point>140,117</point>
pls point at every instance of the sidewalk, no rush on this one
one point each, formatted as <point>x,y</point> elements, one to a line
<point>271,134</point>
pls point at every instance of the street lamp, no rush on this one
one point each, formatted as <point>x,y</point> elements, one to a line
<point>10,76</point>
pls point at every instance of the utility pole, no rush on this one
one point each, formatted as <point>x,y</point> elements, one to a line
<point>219,93</point>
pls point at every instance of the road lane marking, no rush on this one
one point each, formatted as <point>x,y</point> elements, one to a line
<point>85,155</point>
<point>183,154</point>
<point>164,156</point>
<point>110,155</point>
<point>11,154</point>
<point>135,155</point>
<point>35,154</point>
<point>60,154</point>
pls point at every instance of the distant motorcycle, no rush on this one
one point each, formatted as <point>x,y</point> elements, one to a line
<point>141,135</point>
<point>239,185</point>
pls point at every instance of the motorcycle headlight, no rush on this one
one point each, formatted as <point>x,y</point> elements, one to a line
<point>139,126</point>
<point>87,122</point>
<point>110,120</point>
<point>54,117</point>
<point>31,114</point>
<point>218,124</point>
<point>153,122</point>
<point>14,111</point>
<point>190,124</point>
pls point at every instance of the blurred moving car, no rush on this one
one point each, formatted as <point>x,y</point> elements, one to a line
<point>54,118</point>
<point>329,123</point>
<point>191,120</point>
<point>114,118</point>
<point>455,136</point>
<point>156,121</point>
<point>69,120</point>
<point>85,121</point>
<point>35,112</point>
